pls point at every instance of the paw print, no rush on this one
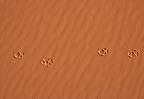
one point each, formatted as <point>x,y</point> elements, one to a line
<point>47,61</point>
<point>133,53</point>
<point>102,52</point>
<point>18,55</point>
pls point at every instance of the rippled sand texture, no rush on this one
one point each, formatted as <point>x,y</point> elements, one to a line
<point>49,49</point>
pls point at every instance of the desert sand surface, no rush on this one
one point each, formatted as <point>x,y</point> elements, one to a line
<point>71,49</point>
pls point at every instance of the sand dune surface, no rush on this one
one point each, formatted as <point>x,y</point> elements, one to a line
<point>71,49</point>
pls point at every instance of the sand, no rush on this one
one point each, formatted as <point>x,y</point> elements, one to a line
<point>71,49</point>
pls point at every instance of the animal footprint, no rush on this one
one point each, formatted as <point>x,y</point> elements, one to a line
<point>18,55</point>
<point>133,53</point>
<point>47,61</point>
<point>102,51</point>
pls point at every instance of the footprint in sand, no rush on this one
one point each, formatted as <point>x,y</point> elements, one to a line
<point>133,53</point>
<point>18,55</point>
<point>102,52</point>
<point>47,61</point>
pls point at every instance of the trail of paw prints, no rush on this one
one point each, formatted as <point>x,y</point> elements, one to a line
<point>47,62</point>
<point>133,53</point>
<point>103,51</point>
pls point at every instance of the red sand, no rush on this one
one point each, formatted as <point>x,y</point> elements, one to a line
<point>71,33</point>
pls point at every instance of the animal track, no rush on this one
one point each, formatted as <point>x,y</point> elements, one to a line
<point>47,61</point>
<point>102,51</point>
<point>133,53</point>
<point>18,55</point>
